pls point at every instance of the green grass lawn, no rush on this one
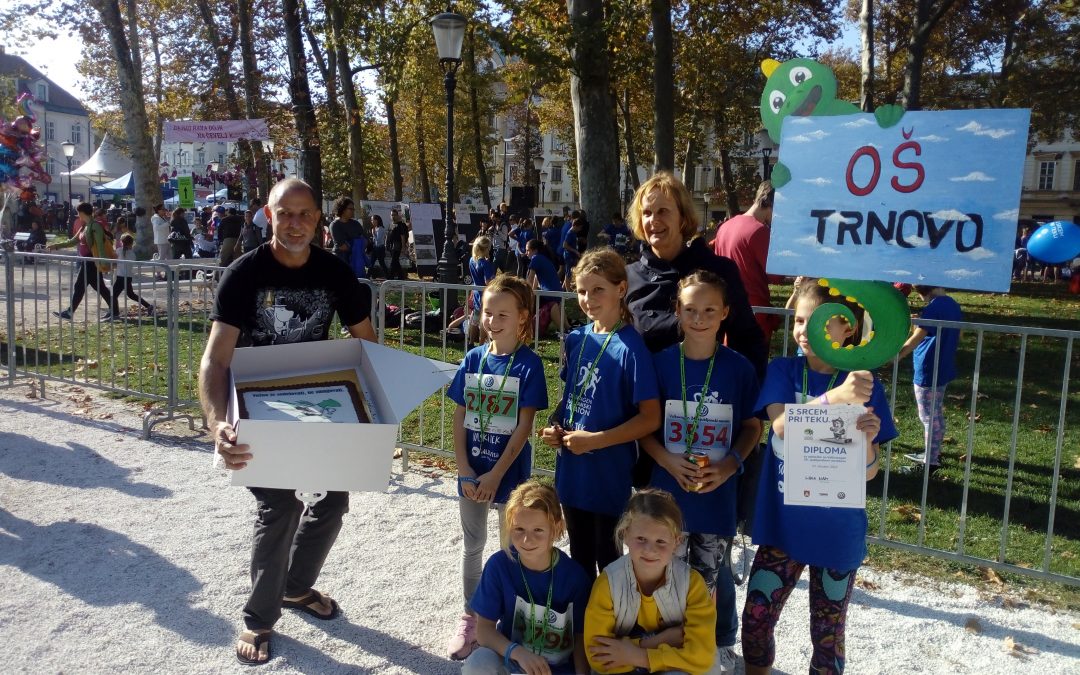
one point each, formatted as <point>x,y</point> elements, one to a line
<point>132,356</point>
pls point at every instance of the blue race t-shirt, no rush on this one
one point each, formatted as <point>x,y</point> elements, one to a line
<point>501,597</point>
<point>545,272</point>
<point>481,272</point>
<point>733,382</point>
<point>523,235</point>
<point>570,238</point>
<point>834,538</point>
<point>600,481</point>
<point>942,308</point>
<point>553,237</point>
<point>525,388</point>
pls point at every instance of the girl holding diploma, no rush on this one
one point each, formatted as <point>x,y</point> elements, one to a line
<point>498,389</point>
<point>832,541</point>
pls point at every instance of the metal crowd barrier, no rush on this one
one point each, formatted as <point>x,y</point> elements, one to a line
<point>155,357</point>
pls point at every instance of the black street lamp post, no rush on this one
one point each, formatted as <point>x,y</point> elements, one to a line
<point>543,185</point>
<point>69,152</point>
<point>213,174</point>
<point>449,30</point>
<point>766,169</point>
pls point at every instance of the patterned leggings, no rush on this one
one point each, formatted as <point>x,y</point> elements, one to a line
<point>772,579</point>
<point>930,402</point>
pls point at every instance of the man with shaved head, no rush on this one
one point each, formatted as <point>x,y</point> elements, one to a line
<point>284,291</point>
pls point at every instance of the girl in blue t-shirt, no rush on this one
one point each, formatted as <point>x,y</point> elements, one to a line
<point>609,401</point>
<point>832,541</point>
<point>708,393</point>
<point>498,389</point>
<point>531,600</point>
<point>935,368</point>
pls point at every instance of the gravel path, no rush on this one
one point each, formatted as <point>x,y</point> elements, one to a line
<point>124,555</point>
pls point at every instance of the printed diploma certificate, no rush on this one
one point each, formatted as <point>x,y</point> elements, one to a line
<point>824,456</point>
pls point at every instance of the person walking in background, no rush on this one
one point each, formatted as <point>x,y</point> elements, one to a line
<point>89,236</point>
<point>250,235</point>
<point>745,240</point>
<point>123,283</point>
<point>378,252</point>
<point>180,235</point>
<point>397,243</point>
<point>231,225</point>
<point>934,364</point>
<point>345,228</point>
<point>160,224</point>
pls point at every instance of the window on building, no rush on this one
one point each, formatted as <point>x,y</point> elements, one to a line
<point>1046,175</point>
<point>50,131</point>
<point>556,175</point>
<point>202,158</point>
<point>556,195</point>
<point>221,159</point>
<point>1076,176</point>
<point>76,133</point>
<point>42,92</point>
<point>50,167</point>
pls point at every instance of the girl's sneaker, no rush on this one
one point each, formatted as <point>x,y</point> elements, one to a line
<point>726,658</point>
<point>463,641</point>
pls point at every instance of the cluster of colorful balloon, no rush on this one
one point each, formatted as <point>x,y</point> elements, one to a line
<point>19,149</point>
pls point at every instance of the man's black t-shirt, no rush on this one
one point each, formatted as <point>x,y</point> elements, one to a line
<point>398,235</point>
<point>274,304</point>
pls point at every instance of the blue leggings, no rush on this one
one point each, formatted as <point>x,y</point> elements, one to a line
<point>772,578</point>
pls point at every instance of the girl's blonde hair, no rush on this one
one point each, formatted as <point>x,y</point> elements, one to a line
<point>533,494</point>
<point>523,294</point>
<point>819,293</point>
<point>671,186</point>
<point>651,503</point>
<point>481,247</point>
<point>703,278</point>
<point>610,265</point>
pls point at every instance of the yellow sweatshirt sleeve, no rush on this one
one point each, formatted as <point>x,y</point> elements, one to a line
<point>600,618</point>
<point>699,634</point>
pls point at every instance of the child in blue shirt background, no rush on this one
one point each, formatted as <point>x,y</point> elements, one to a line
<point>924,344</point>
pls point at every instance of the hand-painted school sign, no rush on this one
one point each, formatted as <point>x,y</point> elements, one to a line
<point>931,200</point>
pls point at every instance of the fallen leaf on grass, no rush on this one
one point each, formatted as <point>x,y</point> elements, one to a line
<point>956,397</point>
<point>972,625</point>
<point>866,583</point>
<point>1043,429</point>
<point>1076,465</point>
<point>978,416</point>
<point>908,512</point>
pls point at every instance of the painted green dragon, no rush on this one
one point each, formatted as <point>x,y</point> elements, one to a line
<point>805,87</point>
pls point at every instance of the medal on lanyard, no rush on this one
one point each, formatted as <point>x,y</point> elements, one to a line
<point>575,399</point>
<point>531,620</point>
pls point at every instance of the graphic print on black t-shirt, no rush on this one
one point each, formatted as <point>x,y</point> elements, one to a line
<point>287,315</point>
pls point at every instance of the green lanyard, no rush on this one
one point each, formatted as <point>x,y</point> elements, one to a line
<point>805,392</point>
<point>531,620</point>
<point>480,387</point>
<point>575,399</point>
<point>692,431</point>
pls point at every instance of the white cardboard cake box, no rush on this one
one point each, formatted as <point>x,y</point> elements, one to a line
<point>339,456</point>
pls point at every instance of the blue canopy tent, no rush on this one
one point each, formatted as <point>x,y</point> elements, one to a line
<point>125,185</point>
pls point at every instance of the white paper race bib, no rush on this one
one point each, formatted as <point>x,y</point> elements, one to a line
<point>552,638</point>
<point>713,435</point>
<point>502,407</point>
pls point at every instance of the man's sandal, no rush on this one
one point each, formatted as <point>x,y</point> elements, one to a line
<point>256,640</point>
<point>313,597</point>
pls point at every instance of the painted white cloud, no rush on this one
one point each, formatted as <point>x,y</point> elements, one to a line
<point>978,254</point>
<point>962,274</point>
<point>855,124</point>
<point>809,240</point>
<point>898,273</point>
<point>1011,214</point>
<point>835,217</point>
<point>819,181</point>
<point>932,138</point>
<point>917,242</point>
<point>973,177</point>
<point>980,130</point>
<point>800,120</point>
<point>779,197</point>
<point>787,254</point>
<point>948,214</point>
<point>828,251</point>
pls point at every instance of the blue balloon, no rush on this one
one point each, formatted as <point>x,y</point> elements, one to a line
<point>1055,243</point>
